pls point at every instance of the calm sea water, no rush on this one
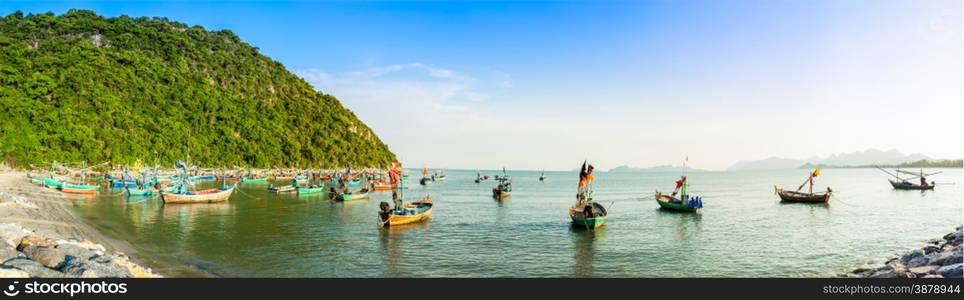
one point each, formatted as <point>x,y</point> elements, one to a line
<point>744,231</point>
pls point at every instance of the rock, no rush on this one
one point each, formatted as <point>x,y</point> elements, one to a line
<point>99,267</point>
<point>906,258</point>
<point>8,252</point>
<point>933,276</point>
<point>12,233</point>
<point>921,271</point>
<point>956,257</point>
<point>917,262</point>
<point>931,249</point>
<point>894,270</point>
<point>11,272</point>
<point>952,271</point>
<point>34,240</point>
<point>86,244</point>
<point>74,251</point>
<point>33,268</point>
<point>938,258</point>
<point>50,257</point>
<point>953,236</point>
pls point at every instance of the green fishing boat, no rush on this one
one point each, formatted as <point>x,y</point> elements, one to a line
<point>255,180</point>
<point>671,203</point>
<point>53,183</point>
<point>311,190</point>
<point>350,197</point>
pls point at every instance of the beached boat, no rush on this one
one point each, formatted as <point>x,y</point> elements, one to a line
<point>283,189</point>
<point>202,196</point>
<point>672,203</point>
<point>53,183</point>
<point>255,180</point>
<point>905,185</point>
<point>412,212</point>
<point>591,215</point>
<point>809,197</point>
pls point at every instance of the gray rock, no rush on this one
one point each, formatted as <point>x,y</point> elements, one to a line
<point>894,270</point>
<point>50,257</point>
<point>956,257</point>
<point>938,258</point>
<point>951,271</point>
<point>957,235</point>
<point>917,262</point>
<point>74,251</point>
<point>98,267</point>
<point>33,268</point>
<point>931,249</point>
<point>906,258</point>
<point>7,252</point>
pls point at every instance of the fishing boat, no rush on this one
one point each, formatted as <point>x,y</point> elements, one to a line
<point>352,196</point>
<point>53,183</point>
<point>79,188</point>
<point>587,213</point>
<point>141,192</point>
<point>353,183</point>
<point>504,189</point>
<point>590,215</point>
<point>282,189</point>
<point>694,204</point>
<point>542,176</point>
<point>904,183</point>
<point>810,197</point>
<point>311,190</point>
<point>683,204</point>
<point>228,178</point>
<point>202,196</point>
<point>412,212</point>
<point>438,176</point>
<point>381,186</point>
<point>254,180</point>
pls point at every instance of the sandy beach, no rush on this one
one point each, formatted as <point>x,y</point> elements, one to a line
<point>42,237</point>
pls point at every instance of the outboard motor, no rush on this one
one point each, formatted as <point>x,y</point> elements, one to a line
<point>385,212</point>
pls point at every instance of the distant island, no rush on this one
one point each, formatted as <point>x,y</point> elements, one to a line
<point>83,87</point>
<point>664,168</point>
<point>859,159</point>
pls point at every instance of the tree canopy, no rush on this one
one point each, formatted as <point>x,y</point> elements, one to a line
<point>82,87</point>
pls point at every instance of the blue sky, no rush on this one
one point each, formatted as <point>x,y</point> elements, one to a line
<point>543,84</point>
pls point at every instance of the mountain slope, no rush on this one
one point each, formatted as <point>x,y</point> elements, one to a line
<point>859,158</point>
<point>81,87</point>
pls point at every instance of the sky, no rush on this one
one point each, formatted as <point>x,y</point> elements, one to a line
<point>548,84</point>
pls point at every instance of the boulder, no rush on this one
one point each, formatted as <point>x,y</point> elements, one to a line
<point>11,272</point>
<point>933,276</point>
<point>956,257</point>
<point>894,270</point>
<point>922,271</point>
<point>12,233</point>
<point>917,262</point>
<point>8,252</point>
<point>50,257</point>
<point>952,271</point>
<point>74,251</point>
<point>33,268</point>
<point>931,249</point>
<point>906,258</point>
<point>99,267</point>
<point>34,240</point>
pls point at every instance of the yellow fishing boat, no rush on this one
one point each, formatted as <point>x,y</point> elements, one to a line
<point>412,212</point>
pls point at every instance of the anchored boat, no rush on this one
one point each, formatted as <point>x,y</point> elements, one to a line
<point>683,204</point>
<point>202,196</point>
<point>810,197</point>
<point>905,184</point>
<point>412,212</point>
<point>586,212</point>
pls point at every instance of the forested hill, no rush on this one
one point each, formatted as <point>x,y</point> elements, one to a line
<point>81,87</point>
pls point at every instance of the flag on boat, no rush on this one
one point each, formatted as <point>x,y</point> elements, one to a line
<point>815,173</point>
<point>585,174</point>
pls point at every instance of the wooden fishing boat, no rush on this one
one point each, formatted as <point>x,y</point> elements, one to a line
<point>351,197</point>
<point>311,190</point>
<point>904,185</point>
<point>794,196</point>
<point>203,196</point>
<point>671,203</point>
<point>254,180</point>
<point>228,178</point>
<point>283,189</point>
<point>412,212</point>
<point>124,183</point>
<point>53,183</point>
<point>141,192</point>
<point>353,184</point>
<point>37,180</point>
<point>79,188</point>
<point>591,215</point>
<point>501,193</point>
<point>383,187</point>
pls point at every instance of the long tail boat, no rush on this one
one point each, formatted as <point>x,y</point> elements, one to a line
<point>79,188</point>
<point>412,212</point>
<point>686,204</point>
<point>311,190</point>
<point>202,196</point>
<point>810,197</point>
<point>905,184</point>
<point>254,180</point>
<point>587,213</point>
<point>350,197</point>
<point>504,189</point>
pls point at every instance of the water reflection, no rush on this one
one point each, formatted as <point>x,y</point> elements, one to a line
<point>391,240</point>
<point>583,244</point>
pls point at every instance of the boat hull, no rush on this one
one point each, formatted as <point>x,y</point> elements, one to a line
<point>909,186</point>
<point>421,211</point>
<point>580,219</point>
<point>259,180</point>
<point>352,197</point>
<point>383,187</point>
<point>79,189</point>
<point>206,196</point>
<point>667,202</point>
<point>141,192</point>
<point>311,190</point>
<point>791,196</point>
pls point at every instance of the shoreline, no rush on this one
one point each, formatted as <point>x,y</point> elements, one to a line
<point>41,237</point>
<point>940,258</point>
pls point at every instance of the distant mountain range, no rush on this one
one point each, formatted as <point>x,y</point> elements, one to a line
<point>859,158</point>
<point>666,168</point>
